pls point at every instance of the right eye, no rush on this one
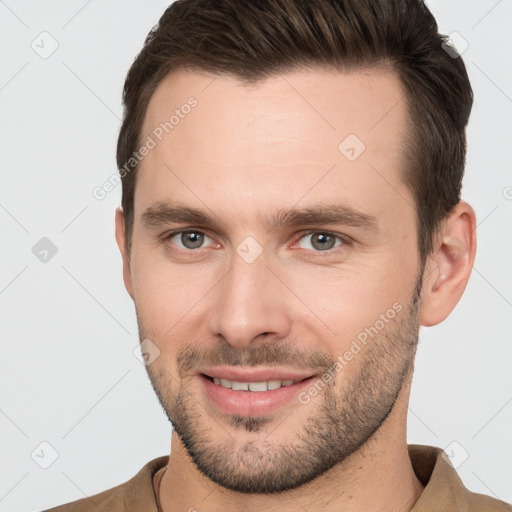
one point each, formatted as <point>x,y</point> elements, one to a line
<point>189,240</point>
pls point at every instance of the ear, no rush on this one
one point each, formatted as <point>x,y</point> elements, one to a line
<point>448,269</point>
<point>121,243</point>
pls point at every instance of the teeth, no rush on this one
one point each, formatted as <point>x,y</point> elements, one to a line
<point>239,386</point>
<point>258,386</point>
<point>273,384</point>
<point>253,386</point>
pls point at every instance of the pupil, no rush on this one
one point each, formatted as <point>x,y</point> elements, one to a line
<point>322,241</point>
<point>192,240</point>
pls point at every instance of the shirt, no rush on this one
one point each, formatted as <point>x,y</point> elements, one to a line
<point>444,490</point>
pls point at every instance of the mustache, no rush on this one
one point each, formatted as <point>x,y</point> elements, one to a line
<point>269,355</point>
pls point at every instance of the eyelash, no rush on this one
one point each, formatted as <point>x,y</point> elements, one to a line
<point>343,238</point>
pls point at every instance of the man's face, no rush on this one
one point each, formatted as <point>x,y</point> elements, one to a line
<point>302,267</point>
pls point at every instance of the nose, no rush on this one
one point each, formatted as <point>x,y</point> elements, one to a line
<point>250,302</point>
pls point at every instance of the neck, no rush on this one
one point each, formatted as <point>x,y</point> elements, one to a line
<point>378,477</point>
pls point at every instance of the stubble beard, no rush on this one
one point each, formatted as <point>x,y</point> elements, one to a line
<point>344,416</point>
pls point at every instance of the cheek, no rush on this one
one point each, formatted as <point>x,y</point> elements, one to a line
<point>350,299</point>
<point>168,296</point>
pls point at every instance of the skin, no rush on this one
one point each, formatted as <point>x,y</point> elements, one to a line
<point>240,155</point>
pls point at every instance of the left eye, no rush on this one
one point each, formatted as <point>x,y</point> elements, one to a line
<point>320,241</point>
<point>189,239</point>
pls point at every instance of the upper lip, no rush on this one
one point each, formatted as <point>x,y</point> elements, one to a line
<point>254,374</point>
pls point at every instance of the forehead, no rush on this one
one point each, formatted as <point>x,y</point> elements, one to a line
<point>294,137</point>
<point>330,102</point>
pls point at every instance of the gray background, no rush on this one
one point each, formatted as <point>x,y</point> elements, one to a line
<point>69,376</point>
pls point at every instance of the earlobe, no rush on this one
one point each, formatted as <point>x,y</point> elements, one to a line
<point>449,267</point>
<point>121,243</point>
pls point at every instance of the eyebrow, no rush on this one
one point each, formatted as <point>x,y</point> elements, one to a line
<point>321,214</point>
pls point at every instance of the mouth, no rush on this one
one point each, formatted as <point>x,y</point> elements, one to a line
<point>257,386</point>
<point>252,393</point>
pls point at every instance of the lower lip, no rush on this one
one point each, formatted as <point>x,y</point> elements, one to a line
<point>251,403</point>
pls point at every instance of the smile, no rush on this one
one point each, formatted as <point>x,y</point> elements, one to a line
<point>254,386</point>
<point>255,394</point>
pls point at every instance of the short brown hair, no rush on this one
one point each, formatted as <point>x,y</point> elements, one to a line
<point>255,39</point>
